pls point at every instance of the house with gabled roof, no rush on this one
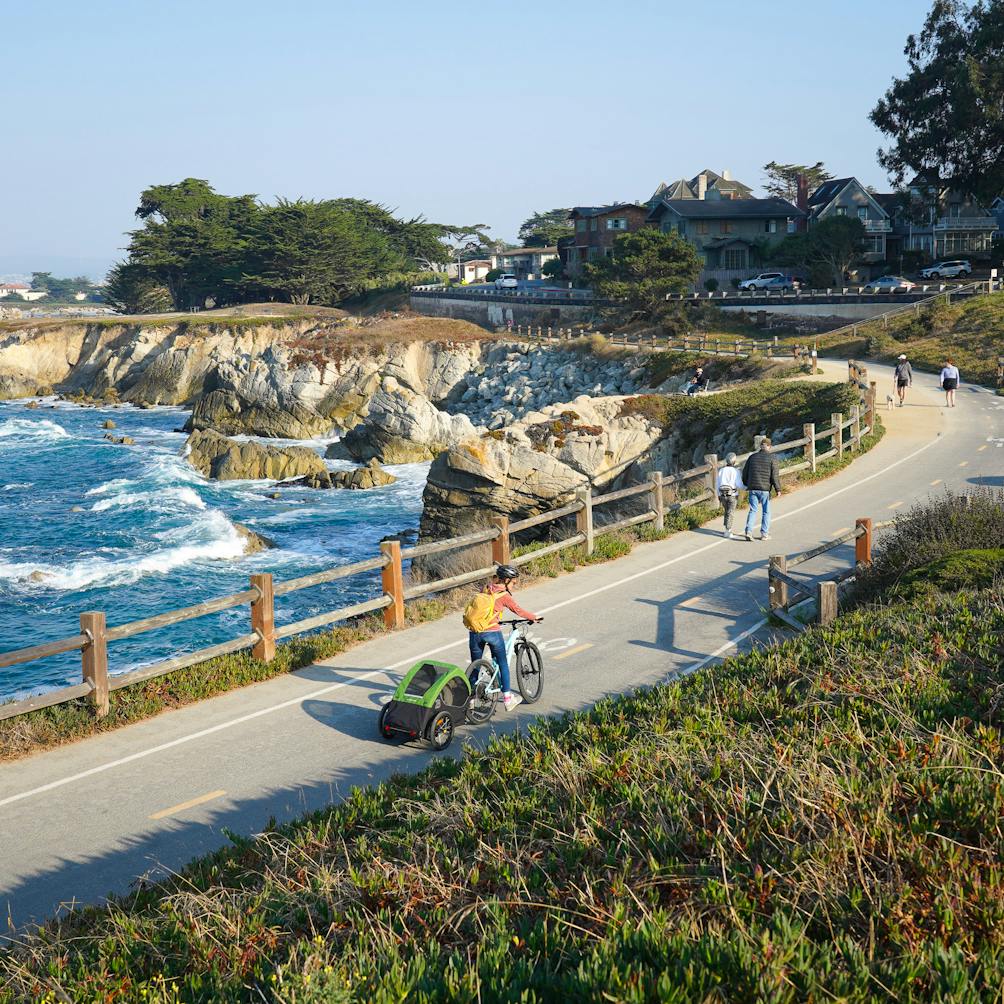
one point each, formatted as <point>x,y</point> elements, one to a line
<point>596,229</point>
<point>705,185</point>
<point>848,197</point>
<point>725,231</point>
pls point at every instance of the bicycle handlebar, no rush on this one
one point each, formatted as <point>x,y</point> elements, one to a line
<point>522,620</point>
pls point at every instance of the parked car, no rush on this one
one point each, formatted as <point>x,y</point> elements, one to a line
<point>947,269</point>
<point>779,282</point>
<point>760,281</point>
<point>506,281</point>
<point>889,284</point>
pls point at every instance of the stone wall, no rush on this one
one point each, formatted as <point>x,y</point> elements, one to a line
<point>496,313</point>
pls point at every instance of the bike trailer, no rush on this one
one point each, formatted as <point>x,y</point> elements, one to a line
<point>429,690</point>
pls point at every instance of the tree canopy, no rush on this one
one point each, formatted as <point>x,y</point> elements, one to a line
<point>61,289</point>
<point>200,246</point>
<point>946,116</point>
<point>782,179</point>
<point>545,229</point>
<point>827,251</point>
<point>646,265</point>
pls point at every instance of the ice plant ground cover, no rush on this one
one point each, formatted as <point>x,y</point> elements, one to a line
<point>817,820</point>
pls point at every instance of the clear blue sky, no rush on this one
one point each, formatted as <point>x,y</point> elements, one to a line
<point>464,112</point>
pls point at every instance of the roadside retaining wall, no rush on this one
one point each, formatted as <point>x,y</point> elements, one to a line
<point>494,314</point>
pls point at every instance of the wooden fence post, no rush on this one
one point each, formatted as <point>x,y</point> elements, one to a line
<point>809,432</point>
<point>856,427</point>
<point>870,405</point>
<point>826,602</point>
<point>501,552</point>
<point>584,517</point>
<point>657,501</point>
<point>392,578</point>
<point>94,660</point>
<point>263,617</point>
<point>778,589</point>
<point>863,544</point>
<point>711,459</point>
<point>837,421</point>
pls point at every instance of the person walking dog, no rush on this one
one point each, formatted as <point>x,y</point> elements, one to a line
<point>729,484</point>
<point>902,378</point>
<point>760,475</point>
<point>950,382</point>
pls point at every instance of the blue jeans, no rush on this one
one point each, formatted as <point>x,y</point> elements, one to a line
<point>496,643</point>
<point>761,501</point>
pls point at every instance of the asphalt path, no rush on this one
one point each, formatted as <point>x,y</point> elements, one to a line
<point>91,818</point>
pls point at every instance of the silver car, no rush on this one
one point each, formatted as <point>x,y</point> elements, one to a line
<point>760,281</point>
<point>947,269</point>
<point>889,284</point>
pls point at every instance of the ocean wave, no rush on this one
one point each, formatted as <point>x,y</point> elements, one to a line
<point>209,536</point>
<point>14,485</point>
<point>162,500</point>
<point>34,429</point>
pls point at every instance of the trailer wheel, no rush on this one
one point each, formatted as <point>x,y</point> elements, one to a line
<point>440,731</point>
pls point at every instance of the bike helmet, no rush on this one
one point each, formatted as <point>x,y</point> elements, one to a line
<point>505,572</point>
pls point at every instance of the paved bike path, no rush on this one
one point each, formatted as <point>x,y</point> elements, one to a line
<point>90,818</point>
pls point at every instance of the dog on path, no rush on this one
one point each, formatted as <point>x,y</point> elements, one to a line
<point>888,402</point>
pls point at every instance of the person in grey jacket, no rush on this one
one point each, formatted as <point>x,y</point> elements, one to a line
<point>902,377</point>
<point>760,475</point>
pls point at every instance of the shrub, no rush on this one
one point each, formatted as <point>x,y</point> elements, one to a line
<point>711,284</point>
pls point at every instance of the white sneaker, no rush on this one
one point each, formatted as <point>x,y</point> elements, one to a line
<point>510,700</point>
<point>749,536</point>
<point>727,534</point>
<point>765,536</point>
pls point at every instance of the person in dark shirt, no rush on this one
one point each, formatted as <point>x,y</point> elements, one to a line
<point>902,377</point>
<point>698,382</point>
<point>760,475</point>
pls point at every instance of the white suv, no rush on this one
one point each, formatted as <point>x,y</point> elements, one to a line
<point>947,270</point>
<point>760,281</point>
<point>506,281</point>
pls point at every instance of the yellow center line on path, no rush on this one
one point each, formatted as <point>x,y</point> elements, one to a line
<point>980,449</point>
<point>574,651</point>
<point>895,505</point>
<point>936,481</point>
<point>965,463</point>
<point>189,804</point>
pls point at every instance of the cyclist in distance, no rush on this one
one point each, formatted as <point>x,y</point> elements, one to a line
<point>482,619</point>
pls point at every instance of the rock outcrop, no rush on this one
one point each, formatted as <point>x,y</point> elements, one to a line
<point>372,475</point>
<point>223,459</point>
<point>535,465</point>
<point>253,542</point>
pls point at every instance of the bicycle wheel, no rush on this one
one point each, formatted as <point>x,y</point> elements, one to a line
<point>529,671</point>
<point>484,690</point>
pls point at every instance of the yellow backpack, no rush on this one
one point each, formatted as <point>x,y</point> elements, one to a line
<point>479,614</point>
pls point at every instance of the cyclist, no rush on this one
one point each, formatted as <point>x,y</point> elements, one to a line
<point>485,629</point>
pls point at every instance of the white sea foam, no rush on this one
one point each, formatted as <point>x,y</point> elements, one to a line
<point>208,536</point>
<point>34,429</point>
<point>17,484</point>
<point>161,500</point>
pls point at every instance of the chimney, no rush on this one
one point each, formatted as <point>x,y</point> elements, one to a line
<point>802,199</point>
<point>702,185</point>
<point>726,175</point>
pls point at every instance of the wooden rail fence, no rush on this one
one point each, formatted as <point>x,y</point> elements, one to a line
<point>782,587</point>
<point>663,493</point>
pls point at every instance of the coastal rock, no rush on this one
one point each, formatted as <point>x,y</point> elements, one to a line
<point>253,542</point>
<point>120,440</point>
<point>107,424</point>
<point>402,426</point>
<point>372,475</point>
<point>534,465</point>
<point>223,459</point>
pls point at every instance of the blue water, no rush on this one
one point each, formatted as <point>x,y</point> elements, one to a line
<point>152,535</point>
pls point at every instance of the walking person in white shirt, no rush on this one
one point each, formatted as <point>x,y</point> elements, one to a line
<point>728,485</point>
<point>949,382</point>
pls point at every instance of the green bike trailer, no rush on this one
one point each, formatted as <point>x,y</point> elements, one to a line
<point>429,703</point>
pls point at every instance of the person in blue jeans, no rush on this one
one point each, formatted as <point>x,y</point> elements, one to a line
<point>760,475</point>
<point>500,589</point>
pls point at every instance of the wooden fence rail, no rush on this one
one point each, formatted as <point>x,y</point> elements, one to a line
<point>94,637</point>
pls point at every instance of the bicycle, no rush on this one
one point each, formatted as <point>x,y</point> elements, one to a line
<point>525,659</point>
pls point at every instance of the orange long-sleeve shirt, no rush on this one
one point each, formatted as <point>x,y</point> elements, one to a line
<point>504,601</point>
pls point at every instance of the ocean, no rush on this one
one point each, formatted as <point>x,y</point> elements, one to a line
<point>133,531</point>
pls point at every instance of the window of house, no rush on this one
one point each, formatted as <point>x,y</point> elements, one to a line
<point>592,224</point>
<point>681,228</point>
<point>734,258</point>
<point>725,227</point>
<point>617,223</point>
<point>862,213</point>
<point>791,226</point>
<point>702,226</point>
<point>770,226</point>
<point>580,225</point>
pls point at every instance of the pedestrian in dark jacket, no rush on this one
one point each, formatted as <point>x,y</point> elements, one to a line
<point>902,377</point>
<point>760,475</point>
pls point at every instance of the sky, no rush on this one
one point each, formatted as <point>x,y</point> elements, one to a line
<point>463,113</point>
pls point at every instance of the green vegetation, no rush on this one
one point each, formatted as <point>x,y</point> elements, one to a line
<point>198,247</point>
<point>968,331</point>
<point>63,290</point>
<point>752,409</point>
<point>782,179</point>
<point>956,65</point>
<point>545,229</point>
<point>663,366</point>
<point>813,821</point>
<point>645,267</point>
<point>826,251</point>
